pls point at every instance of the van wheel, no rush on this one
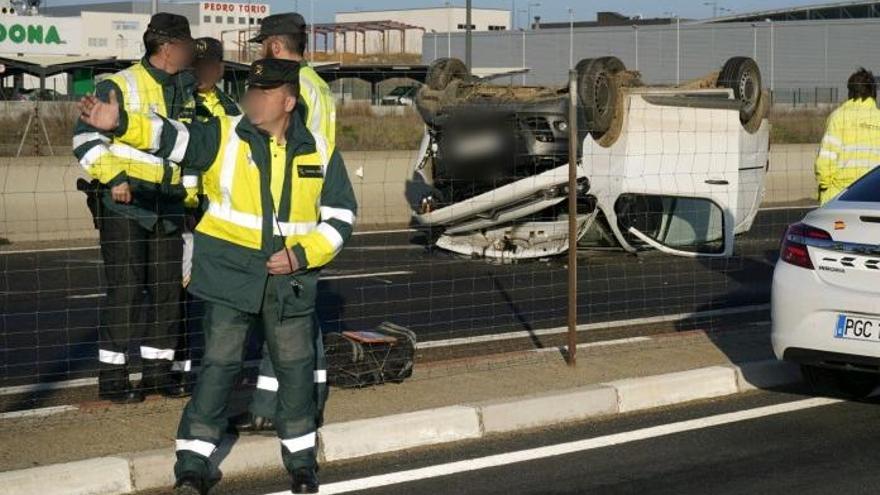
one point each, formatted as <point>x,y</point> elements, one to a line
<point>443,71</point>
<point>598,91</point>
<point>742,75</point>
<point>849,384</point>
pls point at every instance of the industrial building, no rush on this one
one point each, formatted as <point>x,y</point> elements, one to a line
<point>447,19</point>
<point>805,53</point>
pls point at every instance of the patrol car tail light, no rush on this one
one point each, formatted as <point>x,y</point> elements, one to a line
<point>794,244</point>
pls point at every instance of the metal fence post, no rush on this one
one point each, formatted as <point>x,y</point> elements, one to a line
<point>572,217</point>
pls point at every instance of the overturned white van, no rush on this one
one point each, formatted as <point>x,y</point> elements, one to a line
<point>679,169</point>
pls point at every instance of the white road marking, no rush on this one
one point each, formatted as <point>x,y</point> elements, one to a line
<point>778,208</point>
<point>50,386</point>
<point>391,247</point>
<point>50,250</point>
<point>367,275</point>
<point>374,232</point>
<point>568,447</point>
<point>601,343</point>
<point>96,295</point>
<point>590,326</point>
<point>88,296</point>
<point>87,248</point>
<point>38,413</point>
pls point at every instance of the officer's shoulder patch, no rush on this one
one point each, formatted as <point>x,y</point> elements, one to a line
<point>310,171</point>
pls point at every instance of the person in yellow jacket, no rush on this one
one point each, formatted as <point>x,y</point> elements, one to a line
<point>140,218</point>
<point>211,102</point>
<point>851,145</point>
<point>277,213</point>
<point>284,36</point>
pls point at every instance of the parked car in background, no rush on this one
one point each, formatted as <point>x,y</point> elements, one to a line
<point>679,169</point>
<point>825,302</point>
<point>400,96</point>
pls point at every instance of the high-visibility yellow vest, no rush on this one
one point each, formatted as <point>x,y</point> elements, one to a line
<point>191,180</point>
<point>321,115</point>
<point>141,94</point>
<point>850,147</point>
<point>234,214</point>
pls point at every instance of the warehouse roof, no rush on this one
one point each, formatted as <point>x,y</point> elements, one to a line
<point>822,11</point>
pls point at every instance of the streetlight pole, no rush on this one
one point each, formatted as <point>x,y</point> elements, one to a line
<point>529,11</point>
<point>677,50</point>
<point>449,29</point>
<point>636,43</point>
<point>714,6</point>
<point>524,56</point>
<point>312,30</point>
<point>468,36</point>
<point>772,58</point>
<point>570,39</point>
<point>514,21</point>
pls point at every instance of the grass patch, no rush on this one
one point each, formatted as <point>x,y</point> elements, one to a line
<point>797,126</point>
<point>358,128</point>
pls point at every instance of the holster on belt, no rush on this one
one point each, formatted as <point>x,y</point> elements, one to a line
<point>92,191</point>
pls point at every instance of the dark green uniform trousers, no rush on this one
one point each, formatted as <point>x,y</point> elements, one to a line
<point>265,401</point>
<point>291,345</point>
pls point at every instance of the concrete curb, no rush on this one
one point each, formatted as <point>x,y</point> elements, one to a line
<point>353,439</point>
<point>101,475</point>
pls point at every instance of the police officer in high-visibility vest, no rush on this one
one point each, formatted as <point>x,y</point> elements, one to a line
<point>211,102</point>
<point>278,212</point>
<point>285,36</point>
<point>851,145</point>
<point>141,211</point>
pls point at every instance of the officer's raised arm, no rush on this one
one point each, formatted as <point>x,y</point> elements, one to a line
<point>192,145</point>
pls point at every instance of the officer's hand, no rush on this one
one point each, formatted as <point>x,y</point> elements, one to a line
<point>121,193</point>
<point>100,115</point>
<point>282,263</point>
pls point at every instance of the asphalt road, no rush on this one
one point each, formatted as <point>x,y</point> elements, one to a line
<point>49,301</point>
<point>763,442</point>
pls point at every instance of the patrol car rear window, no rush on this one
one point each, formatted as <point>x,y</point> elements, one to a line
<point>866,189</point>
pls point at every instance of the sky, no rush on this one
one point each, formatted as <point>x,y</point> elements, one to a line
<point>549,10</point>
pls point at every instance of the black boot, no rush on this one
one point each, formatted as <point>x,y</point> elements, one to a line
<point>305,480</point>
<point>159,379</point>
<point>251,423</point>
<point>114,385</point>
<point>190,484</point>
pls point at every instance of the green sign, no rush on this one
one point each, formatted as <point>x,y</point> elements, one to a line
<point>34,34</point>
<point>83,82</point>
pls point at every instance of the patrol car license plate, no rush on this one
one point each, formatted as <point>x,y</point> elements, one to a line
<point>857,328</point>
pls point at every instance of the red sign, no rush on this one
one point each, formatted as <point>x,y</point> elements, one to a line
<point>242,8</point>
